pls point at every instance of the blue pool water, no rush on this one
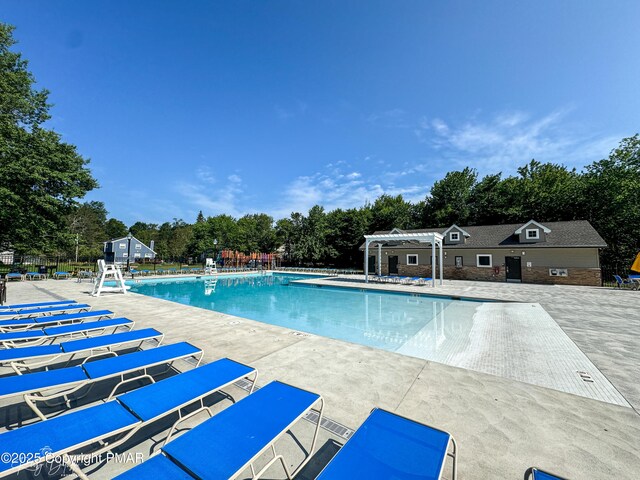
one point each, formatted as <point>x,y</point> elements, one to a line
<point>423,326</point>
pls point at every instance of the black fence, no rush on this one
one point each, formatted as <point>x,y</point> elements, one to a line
<point>45,265</point>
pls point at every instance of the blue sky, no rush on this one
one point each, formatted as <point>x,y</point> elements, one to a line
<point>242,107</point>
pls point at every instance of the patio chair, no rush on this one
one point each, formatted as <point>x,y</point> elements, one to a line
<point>35,276</point>
<point>14,325</point>
<point>534,473</point>
<point>28,358</point>
<point>41,336</point>
<point>389,446</point>
<point>22,306</point>
<point>235,438</point>
<point>14,276</point>
<point>622,283</point>
<point>115,422</point>
<point>38,312</point>
<point>61,275</point>
<point>45,386</point>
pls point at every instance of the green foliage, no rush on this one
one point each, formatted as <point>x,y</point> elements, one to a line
<point>87,227</point>
<point>450,198</point>
<point>114,228</point>
<point>611,202</point>
<point>40,176</point>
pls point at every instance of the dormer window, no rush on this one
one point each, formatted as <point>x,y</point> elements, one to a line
<point>454,236</point>
<point>532,234</point>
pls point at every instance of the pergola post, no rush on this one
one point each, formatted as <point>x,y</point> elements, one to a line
<point>433,263</point>
<point>379,259</point>
<point>441,262</point>
<point>366,262</point>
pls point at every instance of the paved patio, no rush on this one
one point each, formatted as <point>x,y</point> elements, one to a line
<point>502,425</point>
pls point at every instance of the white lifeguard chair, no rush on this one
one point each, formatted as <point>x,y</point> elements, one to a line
<point>210,286</point>
<point>210,267</point>
<point>108,273</point>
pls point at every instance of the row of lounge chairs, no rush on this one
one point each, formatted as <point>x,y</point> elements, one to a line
<point>35,276</point>
<point>400,280</point>
<point>321,271</point>
<point>223,446</point>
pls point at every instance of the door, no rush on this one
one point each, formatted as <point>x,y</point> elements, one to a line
<point>372,264</point>
<point>393,264</point>
<point>513,270</point>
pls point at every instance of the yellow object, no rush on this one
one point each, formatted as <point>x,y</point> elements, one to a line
<point>636,264</point>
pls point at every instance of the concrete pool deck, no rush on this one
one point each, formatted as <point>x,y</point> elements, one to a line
<point>502,426</point>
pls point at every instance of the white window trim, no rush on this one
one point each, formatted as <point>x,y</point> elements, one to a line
<point>122,245</point>
<point>457,236</point>
<point>526,232</point>
<point>412,255</point>
<point>136,255</point>
<point>138,246</point>
<point>125,255</point>
<point>484,255</point>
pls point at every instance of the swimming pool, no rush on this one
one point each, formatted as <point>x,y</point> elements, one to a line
<point>419,325</point>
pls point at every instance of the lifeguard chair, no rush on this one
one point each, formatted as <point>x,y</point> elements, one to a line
<point>109,273</point>
<point>210,267</point>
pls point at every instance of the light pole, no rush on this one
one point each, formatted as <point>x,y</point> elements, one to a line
<point>215,250</point>
<point>128,249</point>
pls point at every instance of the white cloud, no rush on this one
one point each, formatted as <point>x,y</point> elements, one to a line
<point>510,139</point>
<point>214,201</point>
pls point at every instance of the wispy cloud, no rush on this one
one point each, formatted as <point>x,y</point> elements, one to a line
<point>510,139</point>
<point>225,198</point>
<point>393,118</point>
<point>333,188</point>
<point>288,112</point>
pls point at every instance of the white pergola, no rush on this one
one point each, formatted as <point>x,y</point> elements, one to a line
<point>432,238</point>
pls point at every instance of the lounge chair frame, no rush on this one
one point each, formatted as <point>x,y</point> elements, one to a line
<point>128,432</point>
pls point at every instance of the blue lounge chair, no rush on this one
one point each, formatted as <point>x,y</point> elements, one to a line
<point>39,312</point>
<point>622,283</point>
<point>21,306</point>
<point>27,358</point>
<point>61,275</point>
<point>388,446</point>
<point>535,473</point>
<point>63,382</point>
<point>39,336</point>
<point>27,323</point>
<point>35,276</point>
<point>14,276</point>
<point>116,421</point>
<point>235,438</point>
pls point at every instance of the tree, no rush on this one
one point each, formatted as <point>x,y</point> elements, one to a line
<point>87,223</point>
<point>41,177</point>
<point>390,212</point>
<point>449,201</point>
<point>115,229</point>
<point>611,192</point>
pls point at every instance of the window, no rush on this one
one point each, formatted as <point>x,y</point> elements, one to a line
<point>147,255</point>
<point>412,259</point>
<point>122,246</point>
<point>138,246</point>
<point>454,236</point>
<point>533,234</point>
<point>136,255</point>
<point>458,262</point>
<point>125,255</point>
<point>483,260</point>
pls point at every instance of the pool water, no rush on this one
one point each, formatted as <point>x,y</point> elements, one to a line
<point>418,325</point>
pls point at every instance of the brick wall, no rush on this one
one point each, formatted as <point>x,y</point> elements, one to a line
<point>576,276</point>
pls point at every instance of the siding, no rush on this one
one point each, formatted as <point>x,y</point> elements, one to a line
<point>547,257</point>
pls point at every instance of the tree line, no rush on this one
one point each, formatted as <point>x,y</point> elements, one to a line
<point>606,192</point>
<point>42,179</point>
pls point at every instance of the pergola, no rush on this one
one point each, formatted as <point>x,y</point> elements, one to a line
<point>433,238</point>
